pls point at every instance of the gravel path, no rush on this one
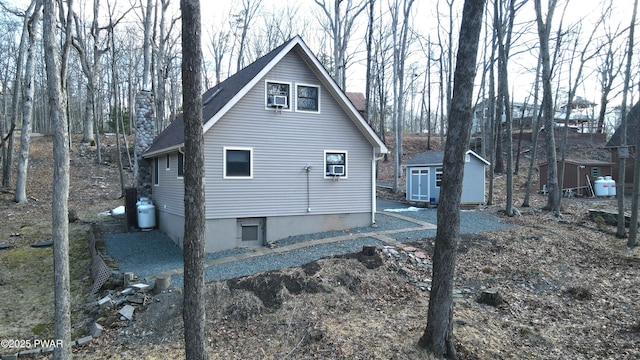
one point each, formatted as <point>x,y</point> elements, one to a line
<point>150,253</point>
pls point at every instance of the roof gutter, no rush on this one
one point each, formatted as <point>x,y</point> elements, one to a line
<point>164,151</point>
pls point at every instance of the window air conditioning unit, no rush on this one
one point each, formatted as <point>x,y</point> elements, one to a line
<point>336,170</point>
<point>277,101</point>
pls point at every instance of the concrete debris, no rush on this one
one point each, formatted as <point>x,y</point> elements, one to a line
<point>127,312</point>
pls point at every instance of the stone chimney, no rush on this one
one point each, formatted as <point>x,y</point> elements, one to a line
<point>145,133</point>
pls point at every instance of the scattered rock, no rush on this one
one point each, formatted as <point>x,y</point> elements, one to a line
<point>73,216</point>
<point>490,297</point>
<point>84,340</point>
<point>42,244</point>
<point>96,330</point>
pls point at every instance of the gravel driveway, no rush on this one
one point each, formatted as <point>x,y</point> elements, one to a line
<point>397,223</point>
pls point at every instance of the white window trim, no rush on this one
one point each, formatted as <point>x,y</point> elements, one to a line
<point>296,95</point>
<point>436,172</point>
<point>156,172</point>
<point>224,162</point>
<point>168,162</point>
<point>346,164</point>
<point>291,95</point>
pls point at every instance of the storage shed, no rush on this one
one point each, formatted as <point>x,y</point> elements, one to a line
<point>424,177</point>
<point>576,174</point>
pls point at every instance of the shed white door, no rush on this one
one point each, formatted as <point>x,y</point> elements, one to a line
<point>419,184</point>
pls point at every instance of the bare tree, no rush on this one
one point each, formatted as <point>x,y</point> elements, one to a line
<point>399,33</point>
<point>90,59</point>
<point>544,29</point>
<point>438,334</point>
<point>503,25</point>
<point>56,77</point>
<point>339,22</point>
<point>27,103</point>
<point>164,56</point>
<point>194,201</point>
<point>243,20</point>
<point>219,41</point>
<point>146,46</point>
<point>7,140</point>
<point>369,75</point>
<point>609,67</point>
<point>534,136</point>
<point>633,229</point>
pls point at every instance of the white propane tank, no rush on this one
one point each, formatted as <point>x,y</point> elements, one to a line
<point>612,185</point>
<point>600,187</point>
<point>146,214</point>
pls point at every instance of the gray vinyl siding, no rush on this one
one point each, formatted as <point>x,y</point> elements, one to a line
<point>473,184</point>
<point>168,195</point>
<point>283,144</point>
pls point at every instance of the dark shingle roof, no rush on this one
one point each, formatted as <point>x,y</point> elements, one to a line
<point>633,118</point>
<point>213,100</point>
<point>427,158</point>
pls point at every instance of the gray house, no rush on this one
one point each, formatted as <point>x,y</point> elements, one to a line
<point>286,153</point>
<point>424,176</point>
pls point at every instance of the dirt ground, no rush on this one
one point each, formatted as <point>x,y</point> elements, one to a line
<point>570,288</point>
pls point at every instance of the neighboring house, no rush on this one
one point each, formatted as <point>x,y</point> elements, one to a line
<point>619,151</point>
<point>521,112</point>
<point>579,175</point>
<point>359,102</point>
<point>424,177</point>
<point>286,153</point>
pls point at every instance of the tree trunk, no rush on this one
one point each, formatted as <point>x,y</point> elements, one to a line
<point>7,158</point>
<point>438,335</point>
<point>633,230</point>
<point>553,197</point>
<point>60,195</point>
<point>534,138</point>
<point>194,199</point>
<point>27,108</point>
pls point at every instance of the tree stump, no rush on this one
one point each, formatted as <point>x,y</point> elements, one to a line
<point>368,250</point>
<point>162,283</point>
<point>490,297</point>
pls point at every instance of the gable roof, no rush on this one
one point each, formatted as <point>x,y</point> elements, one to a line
<point>633,118</point>
<point>436,158</point>
<point>218,100</point>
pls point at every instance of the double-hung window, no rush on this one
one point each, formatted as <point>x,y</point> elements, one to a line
<point>335,163</point>
<point>308,98</point>
<point>278,95</point>
<point>238,163</point>
<point>180,164</point>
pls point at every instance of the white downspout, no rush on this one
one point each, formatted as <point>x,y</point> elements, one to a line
<point>374,186</point>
